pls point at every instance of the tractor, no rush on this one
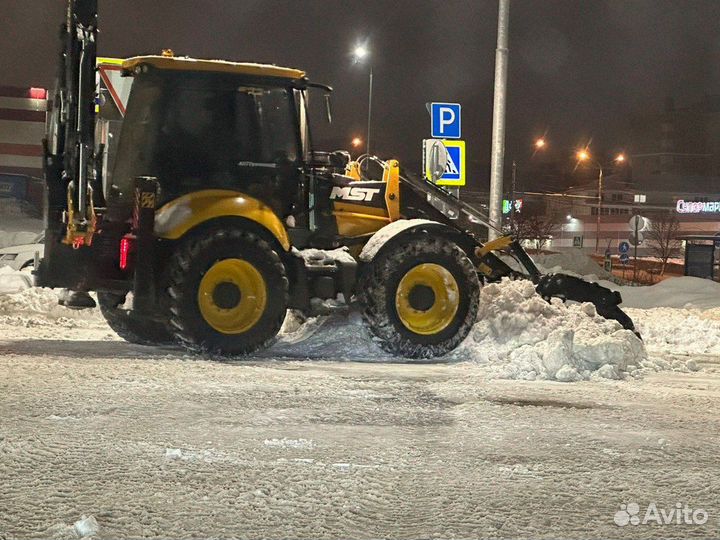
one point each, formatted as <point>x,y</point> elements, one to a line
<point>207,226</point>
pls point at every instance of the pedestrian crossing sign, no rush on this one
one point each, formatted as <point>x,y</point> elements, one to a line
<point>455,168</point>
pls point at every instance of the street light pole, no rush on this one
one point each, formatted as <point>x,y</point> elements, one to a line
<point>512,195</point>
<point>597,226</point>
<point>539,144</point>
<point>361,52</point>
<point>599,210</point>
<point>369,111</point>
<point>498,128</point>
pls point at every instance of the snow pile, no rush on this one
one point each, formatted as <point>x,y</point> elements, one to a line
<point>39,307</point>
<point>679,331</point>
<point>18,223</point>
<point>12,281</point>
<point>573,261</point>
<point>521,336</point>
<point>681,292</point>
<point>338,336</point>
<point>17,238</point>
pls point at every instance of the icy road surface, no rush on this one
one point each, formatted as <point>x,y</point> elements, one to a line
<point>155,444</point>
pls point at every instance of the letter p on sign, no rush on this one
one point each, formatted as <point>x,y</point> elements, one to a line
<point>445,120</point>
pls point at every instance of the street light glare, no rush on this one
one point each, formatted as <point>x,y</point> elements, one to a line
<point>361,52</point>
<point>540,143</point>
<point>620,158</point>
<point>357,141</point>
<point>582,155</point>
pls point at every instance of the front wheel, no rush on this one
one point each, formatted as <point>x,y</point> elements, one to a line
<point>420,298</point>
<point>228,292</point>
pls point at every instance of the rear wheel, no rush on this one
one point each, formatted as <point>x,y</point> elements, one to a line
<point>228,292</point>
<point>421,298</point>
<point>129,326</point>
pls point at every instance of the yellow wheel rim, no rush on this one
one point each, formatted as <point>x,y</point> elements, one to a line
<point>232,296</point>
<point>427,299</point>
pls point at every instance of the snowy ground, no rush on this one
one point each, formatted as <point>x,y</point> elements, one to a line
<point>324,436</point>
<point>154,443</point>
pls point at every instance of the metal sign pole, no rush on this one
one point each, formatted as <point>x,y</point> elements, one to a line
<point>637,222</point>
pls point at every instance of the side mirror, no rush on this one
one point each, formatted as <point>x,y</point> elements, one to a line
<point>436,158</point>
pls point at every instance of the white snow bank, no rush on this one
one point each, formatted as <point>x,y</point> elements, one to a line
<point>16,238</point>
<point>678,331</point>
<point>573,261</point>
<point>39,307</point>
<point>679,292</point>
<point>520,336</point>
<point>338,336</point>
<point>17,223</point>
<point>12,281</point>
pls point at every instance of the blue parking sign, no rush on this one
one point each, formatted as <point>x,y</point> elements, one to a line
<point>623,247</point>
<point>445,120</point>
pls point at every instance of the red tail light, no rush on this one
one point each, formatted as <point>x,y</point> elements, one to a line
<point>125,244</point>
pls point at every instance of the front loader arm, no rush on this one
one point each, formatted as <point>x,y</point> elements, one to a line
<point>466,219</point>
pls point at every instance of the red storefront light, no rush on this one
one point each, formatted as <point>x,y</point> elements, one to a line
<point>37,93</point>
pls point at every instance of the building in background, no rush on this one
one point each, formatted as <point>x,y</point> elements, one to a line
<point>22,127</point>
<point>678,140</point>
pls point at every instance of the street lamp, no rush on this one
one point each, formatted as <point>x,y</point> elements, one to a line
<point>360,53</point>
<point>538,144</point>
<point>356,142</point>
<point>584,155</point>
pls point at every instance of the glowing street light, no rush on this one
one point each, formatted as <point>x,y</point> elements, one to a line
<point>584,155</point>
<point>538,144</point>
<point>361,52</point>
<point>356,142</point>
<point>620,158</point>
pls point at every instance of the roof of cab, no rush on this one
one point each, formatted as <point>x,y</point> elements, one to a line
<point>181,63</point>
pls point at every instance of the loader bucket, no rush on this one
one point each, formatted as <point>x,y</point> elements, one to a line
<point>606,302</point>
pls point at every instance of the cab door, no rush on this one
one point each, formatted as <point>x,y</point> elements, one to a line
<point>268,147</point>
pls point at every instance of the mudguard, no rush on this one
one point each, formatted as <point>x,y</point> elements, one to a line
<point>178,216</point>
<point>392,230</point>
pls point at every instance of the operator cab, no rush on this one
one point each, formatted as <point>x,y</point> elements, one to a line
<point>205,124</point>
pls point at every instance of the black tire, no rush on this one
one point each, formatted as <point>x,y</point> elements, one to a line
<point>378,286</point>
<point>190,264</point>
<point>125,324</point>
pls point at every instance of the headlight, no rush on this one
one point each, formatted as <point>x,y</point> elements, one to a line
<point>8,257</point>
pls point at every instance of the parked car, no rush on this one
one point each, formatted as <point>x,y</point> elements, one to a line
<point>22,256</point>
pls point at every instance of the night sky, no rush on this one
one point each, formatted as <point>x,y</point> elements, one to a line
<point>578,69</point>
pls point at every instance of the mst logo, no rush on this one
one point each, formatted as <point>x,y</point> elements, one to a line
<point>353,193</point>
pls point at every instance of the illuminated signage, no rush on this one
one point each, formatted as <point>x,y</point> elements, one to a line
<point>695,207</point>
<point>506,206</point>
